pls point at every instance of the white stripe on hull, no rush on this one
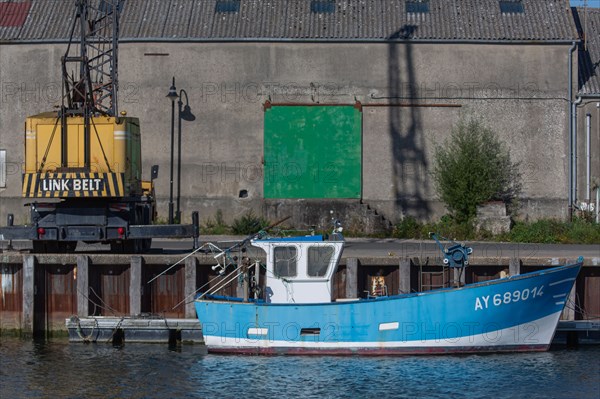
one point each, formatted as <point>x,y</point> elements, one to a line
<point>537,333</point>
<point>562,281</point>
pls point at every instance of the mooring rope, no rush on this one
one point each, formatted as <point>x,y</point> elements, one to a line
<point>79,329</point>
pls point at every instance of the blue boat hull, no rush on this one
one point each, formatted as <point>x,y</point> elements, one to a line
<point>519,313</point>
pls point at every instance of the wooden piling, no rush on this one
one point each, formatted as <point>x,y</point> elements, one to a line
<point>135,285</point>
<point>27,317</point>
<point>352,278</point>
<point>404,274</point>
<point>191,265</point>
<point>83,286</point>
<point>514,266</point>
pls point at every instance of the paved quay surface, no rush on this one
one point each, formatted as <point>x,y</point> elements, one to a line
<point>391,249</point>
<point>384,251</point>
<point>412,248</point>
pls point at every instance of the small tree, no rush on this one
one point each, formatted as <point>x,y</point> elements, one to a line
<point>249,223</point>
<point>473,167</point>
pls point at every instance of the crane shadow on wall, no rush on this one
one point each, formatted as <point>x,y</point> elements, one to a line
<point>405,127</point>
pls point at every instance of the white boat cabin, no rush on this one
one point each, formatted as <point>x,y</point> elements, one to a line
<point>300,269</point>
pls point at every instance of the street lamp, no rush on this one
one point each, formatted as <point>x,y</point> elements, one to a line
<point>172,96</point>
<point>186,115</point>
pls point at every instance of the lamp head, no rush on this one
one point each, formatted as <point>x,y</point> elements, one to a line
<point>186,114</point>
<point>172,92</point>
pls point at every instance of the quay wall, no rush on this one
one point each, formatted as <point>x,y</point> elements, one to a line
<point>38,292</point>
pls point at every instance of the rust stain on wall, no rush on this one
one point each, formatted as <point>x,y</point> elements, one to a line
<point>109,290</point>
<point>11,296</point>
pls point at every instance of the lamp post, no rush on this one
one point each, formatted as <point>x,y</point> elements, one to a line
<point>185,114</point>
<point>172,96</point>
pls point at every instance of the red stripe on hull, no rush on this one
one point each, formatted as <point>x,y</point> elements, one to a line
<point>378,351</point>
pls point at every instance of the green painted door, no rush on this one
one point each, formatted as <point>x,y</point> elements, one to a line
<point>312,152</point>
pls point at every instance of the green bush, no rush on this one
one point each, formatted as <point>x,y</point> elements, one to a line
<point>408,227</point>
<point>541,231</point>
<point>472,167</point>
<point>249,223</point>
<point>583,232</point>
<point>451,228</point>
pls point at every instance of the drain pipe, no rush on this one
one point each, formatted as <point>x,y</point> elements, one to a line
<point>598,184</point>
<point>588,158</point>
<point>571,50</point>
<point>574,105</point>
<point>598,205</point>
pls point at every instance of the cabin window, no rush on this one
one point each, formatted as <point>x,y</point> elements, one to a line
<point>285,261</point>
<point>2,168</point>
<point>319,259</point>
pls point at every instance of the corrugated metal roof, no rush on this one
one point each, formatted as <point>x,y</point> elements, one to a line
<point>178,19</point>
<point>588,23</point>
<point>13,16</point>
<point>468,20</point>
<point>60,15</point>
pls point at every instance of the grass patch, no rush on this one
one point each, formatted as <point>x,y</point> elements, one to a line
<point>545,231</point>
<point>550,231</point>
<point>216,225</point>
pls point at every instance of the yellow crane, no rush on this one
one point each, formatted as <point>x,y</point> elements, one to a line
<point>83,163</point>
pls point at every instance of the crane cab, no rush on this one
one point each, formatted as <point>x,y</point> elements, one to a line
<point>55,161</point>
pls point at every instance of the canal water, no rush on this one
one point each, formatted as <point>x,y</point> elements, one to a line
<point>57,369</point>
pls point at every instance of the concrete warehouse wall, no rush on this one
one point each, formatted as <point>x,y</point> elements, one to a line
<point>518,90</point>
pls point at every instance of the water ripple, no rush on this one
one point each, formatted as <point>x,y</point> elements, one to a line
<point>58,369</point>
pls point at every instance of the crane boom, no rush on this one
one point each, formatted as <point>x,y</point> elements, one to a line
<point>92,85</point>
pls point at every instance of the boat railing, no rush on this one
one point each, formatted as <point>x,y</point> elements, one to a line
<point>379,292</point>
<point>225,260</point>
<point>225,281</point>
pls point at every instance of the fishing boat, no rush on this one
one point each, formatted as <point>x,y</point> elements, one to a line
<point>295,312</point>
